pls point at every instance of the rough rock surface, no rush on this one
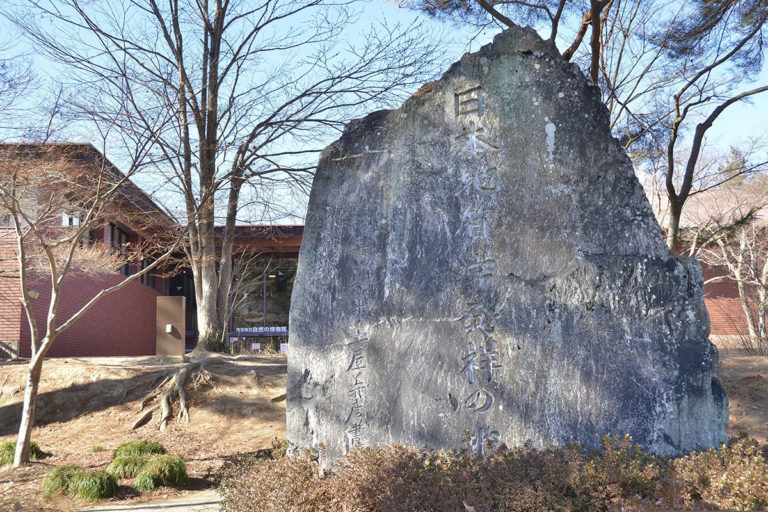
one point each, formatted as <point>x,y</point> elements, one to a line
<point>482,266</point>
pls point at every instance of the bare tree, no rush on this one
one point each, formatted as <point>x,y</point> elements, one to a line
<point>16,78</point>
<point>40,186</point>
<point>726,40</point>
<point>723,226</point>
<point>250,270</point>
<point>743,253</point>
<point>250,90</point>
<point>729,189</point>
<point>667,69</point>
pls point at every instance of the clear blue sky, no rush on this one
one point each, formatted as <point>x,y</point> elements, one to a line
<point>746,119</point>
<point>737,124</point>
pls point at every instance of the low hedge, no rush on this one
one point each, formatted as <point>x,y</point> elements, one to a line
<point>619,476</point>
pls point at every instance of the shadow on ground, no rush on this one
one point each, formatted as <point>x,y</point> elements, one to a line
<point>65,404</point>
<point>137,377</point>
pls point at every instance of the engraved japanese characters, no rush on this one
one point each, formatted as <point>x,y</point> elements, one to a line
<point>476,190</point>
<point>481,266</point>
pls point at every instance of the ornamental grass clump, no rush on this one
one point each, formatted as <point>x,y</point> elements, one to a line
<point>93,485</point>
<point>136,448</point>
<point>8,449</point>
<point>58,480</point>
<point>148,464</point>
<point>73,480</point>
<point>161,470</point>
<point>127,466</point>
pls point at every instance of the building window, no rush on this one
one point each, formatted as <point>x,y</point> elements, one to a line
<point>148,278</point>
<point>120,242</point>
<point>69,220</point>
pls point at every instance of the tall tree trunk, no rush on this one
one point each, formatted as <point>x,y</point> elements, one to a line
<point>227,240</point>
<point>761,318</point>
<point>594,43</point>
<point>208,309</point>
<point>673,228</point>
<point>207,305</point>
<point>745,307</point>
<point>21,456</point>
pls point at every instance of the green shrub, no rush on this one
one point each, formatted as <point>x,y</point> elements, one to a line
<point>161,470</point>
<point>127,466</point>
<point>73,480</point>
<point>618,476</point>
<point>96,448</point>
<point>8,449</point>
<point>93,485</point>
<point>58,480</point>
<point>134,448</point>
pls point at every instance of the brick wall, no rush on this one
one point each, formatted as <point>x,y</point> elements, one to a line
<point>10,307</point>
<point>120,324</point>
<point>722,299</point>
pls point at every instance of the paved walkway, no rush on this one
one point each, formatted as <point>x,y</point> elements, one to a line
<point>203,501</point>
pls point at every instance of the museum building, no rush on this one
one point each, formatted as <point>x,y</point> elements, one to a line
<point>125,323</point>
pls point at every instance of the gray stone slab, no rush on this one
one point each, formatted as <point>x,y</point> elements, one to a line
<point>482,266</point>
<point>200,501</point>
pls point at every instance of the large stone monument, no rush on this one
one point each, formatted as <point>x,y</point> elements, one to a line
<point>482,266</point>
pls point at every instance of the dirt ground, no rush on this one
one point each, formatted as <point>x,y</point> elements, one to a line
<point>89,403</point>
<point>85,403</point>
<point>745,379</point>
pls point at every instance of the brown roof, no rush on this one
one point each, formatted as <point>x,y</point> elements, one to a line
<point>277,238</point>
<point>269,231</point>
<point>87,155</point>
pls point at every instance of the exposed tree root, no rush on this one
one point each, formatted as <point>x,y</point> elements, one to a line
<point>144,418</point>
<point>2,386</point>
<point>172,386</point>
